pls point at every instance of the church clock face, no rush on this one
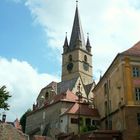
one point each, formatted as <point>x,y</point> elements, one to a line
<point>85,66</point>
<point>70,66</point>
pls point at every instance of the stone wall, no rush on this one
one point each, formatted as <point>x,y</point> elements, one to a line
<point>46,120</point>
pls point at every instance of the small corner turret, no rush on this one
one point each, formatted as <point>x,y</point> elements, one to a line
<point>65,46</point>
<point>88,46</point>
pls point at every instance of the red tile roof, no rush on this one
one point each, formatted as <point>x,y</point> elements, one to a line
<point>135,50</point>
<point>17,124</point>
<point>84,110</point>
<point>68,96</point>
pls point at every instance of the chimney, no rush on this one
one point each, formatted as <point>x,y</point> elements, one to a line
<point>34,107</point>
<point>3,118</point>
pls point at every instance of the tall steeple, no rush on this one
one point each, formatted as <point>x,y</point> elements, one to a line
<point>77,35</point>
<point>77,57</point>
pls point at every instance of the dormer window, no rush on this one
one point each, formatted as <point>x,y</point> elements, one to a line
<point>46,95</point>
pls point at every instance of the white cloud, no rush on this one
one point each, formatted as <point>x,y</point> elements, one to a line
<point>24,84</point>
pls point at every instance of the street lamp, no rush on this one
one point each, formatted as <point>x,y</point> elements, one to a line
<point>3,117</point>
<point>79,94</point>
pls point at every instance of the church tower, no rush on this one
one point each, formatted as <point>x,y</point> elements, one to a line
<point>77,57</point>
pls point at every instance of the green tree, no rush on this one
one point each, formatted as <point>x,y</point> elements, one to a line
<point>23,120</point>
<point>88,128</point>
<point>4,96</point>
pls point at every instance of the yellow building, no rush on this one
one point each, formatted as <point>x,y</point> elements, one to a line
<point>117,94</point>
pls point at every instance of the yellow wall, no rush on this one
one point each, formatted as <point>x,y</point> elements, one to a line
<point>121,92</point>
<point>115,79</point>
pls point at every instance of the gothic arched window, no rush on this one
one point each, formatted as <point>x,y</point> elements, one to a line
<point>70,58</point>
<point>85,58</point>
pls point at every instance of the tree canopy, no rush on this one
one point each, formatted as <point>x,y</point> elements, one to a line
<point>4,96</point>
<point>23,120</point>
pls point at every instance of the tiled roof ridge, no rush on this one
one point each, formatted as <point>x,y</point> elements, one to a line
<point>68,109</point>
<point>64,96</point>
<point>134,50</point>
<point>74,109</point>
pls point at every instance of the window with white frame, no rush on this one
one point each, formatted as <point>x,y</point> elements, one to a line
<point>137,94</point>
<point>136,72</point>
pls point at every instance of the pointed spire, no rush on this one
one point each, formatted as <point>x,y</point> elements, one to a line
<point>65,46</point>
<point>88,46</point>
<point>66,40</point>
<point>77,35</point>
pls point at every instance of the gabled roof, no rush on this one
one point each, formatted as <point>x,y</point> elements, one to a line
<point>135,50</point>
<point>85,110</point>
<point>88,88</point>
<point>77,32</point>
<point>52,85</point>
<point>63,86</point>
<point>67,96</point>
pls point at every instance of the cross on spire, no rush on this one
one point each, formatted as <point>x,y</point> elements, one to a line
<point>76,3</point>
<point>87,35</point>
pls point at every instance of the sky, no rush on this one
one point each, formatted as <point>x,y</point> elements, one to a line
<point>32,34</point>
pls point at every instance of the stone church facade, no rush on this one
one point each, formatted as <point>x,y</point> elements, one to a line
<point>60,105</point>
